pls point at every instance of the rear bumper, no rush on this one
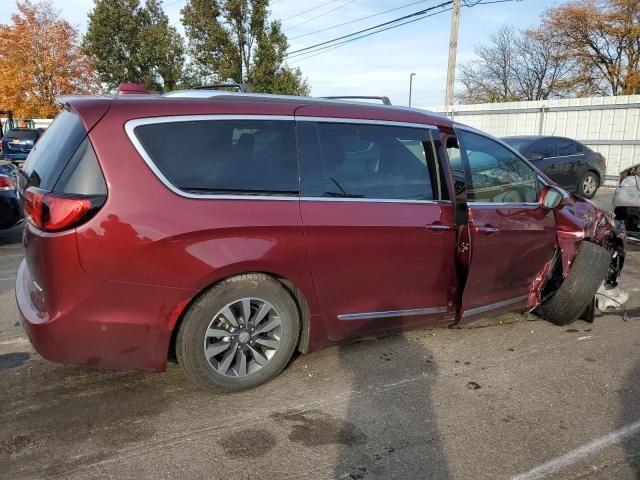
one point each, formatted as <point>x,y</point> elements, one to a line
<point>100,323</point>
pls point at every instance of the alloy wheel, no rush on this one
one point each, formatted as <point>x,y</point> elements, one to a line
<point>242,337</point>
<point>589,185</point>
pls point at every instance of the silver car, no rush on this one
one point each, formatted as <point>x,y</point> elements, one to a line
<point>626,201</point>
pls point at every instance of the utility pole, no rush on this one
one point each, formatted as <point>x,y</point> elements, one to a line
<point>411,86</point>
<point>453,48</point>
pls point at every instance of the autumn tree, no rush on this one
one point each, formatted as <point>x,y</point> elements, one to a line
<point>40,58</point>
<point>130,42</point>
<point>234,40</point>
<point>604,37</point>
<point>515,66</point>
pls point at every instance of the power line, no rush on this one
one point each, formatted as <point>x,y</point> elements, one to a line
<point>395,20</point>
<point>321,14</point>
<point>297,58</point>
<point>359,19</point>
<point>313,50</point>
<point>324,4</point>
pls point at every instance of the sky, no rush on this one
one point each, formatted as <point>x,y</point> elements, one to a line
<point>377,65</point>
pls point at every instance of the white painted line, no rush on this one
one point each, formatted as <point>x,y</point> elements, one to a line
<point>553,466</point>
<point>584,338</point>
<point>7,256</point>
<point>15,341</point>
<point>8,278</point>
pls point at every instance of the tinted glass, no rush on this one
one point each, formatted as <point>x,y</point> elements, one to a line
<point>455,164</point>
<point>21,134</point>
<point>495,173</point>
<point>82,174</point>
<point>581,148</point>
<point>565,147</point>
<point>519,144</point>
<point>544,147</point>
<point>375,161</point>
<point>234,156</point>
<point>51,153</point>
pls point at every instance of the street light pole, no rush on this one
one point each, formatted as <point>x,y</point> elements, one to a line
<point>453,47</point>
<point>411,86</point>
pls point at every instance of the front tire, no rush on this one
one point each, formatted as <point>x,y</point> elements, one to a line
<point>588,185</point>
<point>588,271</point>
<point>239,334</point>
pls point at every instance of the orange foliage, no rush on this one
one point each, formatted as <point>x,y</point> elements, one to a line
<point>40,58</point>
<point>604,36</point>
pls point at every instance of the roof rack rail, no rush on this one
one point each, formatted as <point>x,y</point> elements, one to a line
<point>384,100</point>
<point>240,87</point>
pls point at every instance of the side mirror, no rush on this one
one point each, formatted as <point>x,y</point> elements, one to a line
<point>551,197</point>
<point>534,156</point>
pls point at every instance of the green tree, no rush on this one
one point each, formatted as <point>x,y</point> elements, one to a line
<point>234,40</point>
<point>133,43</point>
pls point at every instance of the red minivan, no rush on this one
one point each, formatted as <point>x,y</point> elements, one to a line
<point>228,232</point>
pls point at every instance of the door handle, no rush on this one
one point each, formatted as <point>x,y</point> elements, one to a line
<point>436,227</point>
<point>489,230</point>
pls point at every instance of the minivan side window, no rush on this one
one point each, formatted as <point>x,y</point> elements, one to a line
<point>224,156</point>
<point>495,173</point>
<point>375,162</point>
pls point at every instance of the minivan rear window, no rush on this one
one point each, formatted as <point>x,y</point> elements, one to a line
<point>224,156</point>
<point>53,151</point>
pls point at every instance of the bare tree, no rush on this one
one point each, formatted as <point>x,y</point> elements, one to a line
<point>518,65</point>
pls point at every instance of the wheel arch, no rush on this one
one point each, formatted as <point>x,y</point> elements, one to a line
<point>296,293</point>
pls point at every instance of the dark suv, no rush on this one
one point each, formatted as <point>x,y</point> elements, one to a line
<point>230,231</point>
<point>569,163</point>
<point>16,144</point>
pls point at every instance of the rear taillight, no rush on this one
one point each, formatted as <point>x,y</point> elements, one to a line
<point>53,212</point>
<point>6,183</point>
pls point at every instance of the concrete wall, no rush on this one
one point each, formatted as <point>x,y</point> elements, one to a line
<point>609,125</point>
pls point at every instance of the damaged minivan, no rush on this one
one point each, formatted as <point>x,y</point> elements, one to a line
<point>228,232</point>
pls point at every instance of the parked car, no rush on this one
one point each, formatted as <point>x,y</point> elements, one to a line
<point>16,144</point>
<point>289,223</point>
<point>626,201</point>
<point>569,163</point>
<point>10,210</point>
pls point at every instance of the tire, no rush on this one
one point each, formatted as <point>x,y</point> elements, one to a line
<point>588,271</point>
<point>208,326</point>
<point>588,185</point>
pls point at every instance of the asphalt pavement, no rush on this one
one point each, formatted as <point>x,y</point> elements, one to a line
<point>507,397</point>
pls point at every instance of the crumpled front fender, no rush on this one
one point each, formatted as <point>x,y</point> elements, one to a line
<point>579,220</point>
